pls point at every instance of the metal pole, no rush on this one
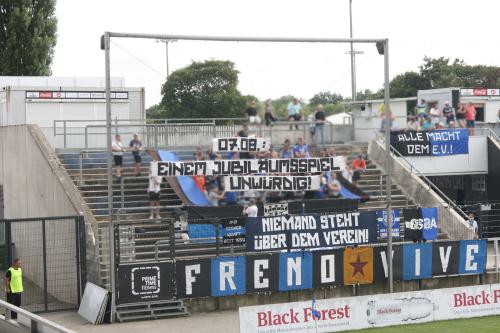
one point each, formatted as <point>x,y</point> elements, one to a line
<point>388,184</point>
<point>353,63</point>
<point>166,49</point>
<point>110,174</point>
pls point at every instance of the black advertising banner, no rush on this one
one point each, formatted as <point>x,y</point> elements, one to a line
<point>194,278</point>
<point>201,213</point>
<point>380,263</point>
<point>445,258</point>
<point>262,272</point>
<point>328,268</point>
<point>311,231</point>
<point>233,231</point>
<point>431,143</point>
<point>145,282</point>
<point>413,222</point>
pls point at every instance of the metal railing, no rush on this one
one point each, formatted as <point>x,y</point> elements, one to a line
<point>30,321</point>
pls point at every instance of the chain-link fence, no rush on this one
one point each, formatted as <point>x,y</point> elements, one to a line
<point>52,252</point>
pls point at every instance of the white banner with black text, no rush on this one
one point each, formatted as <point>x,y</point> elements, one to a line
<point>272,183</point>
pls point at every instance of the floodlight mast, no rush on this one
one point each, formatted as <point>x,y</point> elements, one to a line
<point>105,44</point>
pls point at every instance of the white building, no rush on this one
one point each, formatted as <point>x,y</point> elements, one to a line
<point>65,105</point>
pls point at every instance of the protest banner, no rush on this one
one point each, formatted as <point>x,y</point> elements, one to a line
<point>238,144</point>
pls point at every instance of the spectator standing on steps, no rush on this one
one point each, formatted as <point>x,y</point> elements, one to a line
<point>154,189</point>
<point>449,113</point>
<point>473,226</point>
<point>470,117</point>
<point>251,114</point>
<point>136,146</point>
<point>252,210</point>
<point>117,149</point>
<point>14,285</point>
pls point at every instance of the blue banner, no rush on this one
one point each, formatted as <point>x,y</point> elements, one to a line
<point>382,223</point>
<point>299,232</point>
<point>228,276</point>
<point>417,261</point>
<point>295,271</point>
<point>472,257</point>
<point>449,141</point>
<point>430,217</point>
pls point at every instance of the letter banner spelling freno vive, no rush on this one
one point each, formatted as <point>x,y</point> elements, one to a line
<point>244,167</point>
<point>431,143</point>
<point>238,144</point>
<point>298,270</point>
<point>310,231</point>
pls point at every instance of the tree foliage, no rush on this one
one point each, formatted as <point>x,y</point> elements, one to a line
<point>407,84</point>
<point>27,36</point>
<point>326,97</point>
<point>203,89</point>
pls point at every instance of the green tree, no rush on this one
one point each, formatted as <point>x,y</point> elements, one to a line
<point>368,94</point>
<point>407,84</point>
<point>326,97</point>
<point>28,36</point>
<point>203,89</point>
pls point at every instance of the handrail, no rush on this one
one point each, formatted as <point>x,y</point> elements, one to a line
<point>36,323</point>
<point>429,183</point>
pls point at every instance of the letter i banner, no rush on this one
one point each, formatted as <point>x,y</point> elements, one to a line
<point>358,265</point>
<point>417,261</point>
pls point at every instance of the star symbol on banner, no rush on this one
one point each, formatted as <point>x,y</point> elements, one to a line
<point>358,266</point>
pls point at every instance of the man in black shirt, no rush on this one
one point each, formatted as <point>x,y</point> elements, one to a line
<point>448,113</point>
<point>251,113</point>
<point>319,118</point>
<point>136,146</point>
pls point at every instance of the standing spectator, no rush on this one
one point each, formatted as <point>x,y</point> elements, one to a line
<point>117,149</point>
<point>473,226</point>
<point>300,150</point>
<point>14,285</point>
<point>449,113</point>
<point>286,151</point>
<point>251,210</point>
<point>243,133</point>
<point>460,113</point>
<point>154,189</point>
<point>384,120</point>
<point>136,146</point>
<point>294,109</point>
<point>319,118</point>
<point>251,114</point>
<point>470,117</point>
<point>358,166</point>
<point>435,113</point>
<point>269,117</point>
<point>214,196</point>
<point>421,109</point>
<point>312,127</point>
<point>413,124</point>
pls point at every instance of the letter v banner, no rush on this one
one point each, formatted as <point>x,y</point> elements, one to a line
<point>358,265</point>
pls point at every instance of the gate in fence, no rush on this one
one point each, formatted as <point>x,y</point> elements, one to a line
<point>52,251</point>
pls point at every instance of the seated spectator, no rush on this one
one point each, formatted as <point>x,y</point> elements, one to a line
<point>269,117</point>
<point>421,109</point>
<point>428,125</point>
<point>214,196</point>
<point>300,150</point>
<point>286,151</point>
<point>452,124</point>
<point>251,210</point>
<point>439,125</point>
<point>272,153</point>
<point>448,113</point>
<point>413,124</point>
<point>334,186</point>
<point>294,114</point>
<point>328,152</point>
<point>358,166</point>
<point>251,114</point>
<point>243,132</point>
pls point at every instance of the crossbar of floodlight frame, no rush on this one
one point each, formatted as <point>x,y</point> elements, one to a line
<point>105,44</point>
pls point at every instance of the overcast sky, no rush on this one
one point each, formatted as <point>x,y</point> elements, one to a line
<point>465,29</point>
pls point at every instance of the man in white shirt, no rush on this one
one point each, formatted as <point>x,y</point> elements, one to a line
<point>117,149</point>
<point>154,189</point>
<point>435,113</point>
<point>473,226</point>
<point>252,210</point>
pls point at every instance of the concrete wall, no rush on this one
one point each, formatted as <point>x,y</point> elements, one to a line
<point>414,187</point>
<point>36,185</point>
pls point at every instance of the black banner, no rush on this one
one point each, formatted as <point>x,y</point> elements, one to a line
<point>233,231</point>
<point>413,222</point>
<point>194,278</point>
<point>262,272</point>
<point>411,143</point>
<point>311,231</point>
<point>445,258</point>
<point>380,263</point>
<point>146,282</point>
<point>431,143</point>
<point>328,268</point>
